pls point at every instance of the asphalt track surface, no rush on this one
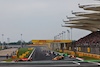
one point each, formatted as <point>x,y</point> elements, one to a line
<point>50,65</point>
<point>40,55</point>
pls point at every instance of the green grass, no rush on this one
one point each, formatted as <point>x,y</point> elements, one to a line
<point>68,53</point>
<point>20,52</point>
<point>0,48</point>
<point>8,60</point>
<point>23,50</point>
<point>58,51</point>
<point>28,54</point>
<point>89,58</point>
<point>11,59</point>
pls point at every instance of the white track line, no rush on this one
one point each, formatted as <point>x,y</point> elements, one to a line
<point>76,62</point>
<point>31,54</point>
<point>94,63</point>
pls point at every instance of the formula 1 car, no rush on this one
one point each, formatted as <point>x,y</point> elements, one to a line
<point>23,59</point>
<point>58,58</point>
<point>71,56</point>
<point>47,54</point>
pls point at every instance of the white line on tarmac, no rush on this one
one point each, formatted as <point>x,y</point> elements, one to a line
<point>31,54</point>
<point>76,62</point>
<point>94,63</point>
<point>57,65</point>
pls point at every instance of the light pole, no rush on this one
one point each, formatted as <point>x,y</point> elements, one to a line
<point>54,37</point>
<point>63,35</point>
<point>2,41</point>
<point>71,34</point>
<point>8,39</point>
<point>60,36</point>
<point>68,34</point>
<point>21,41</point>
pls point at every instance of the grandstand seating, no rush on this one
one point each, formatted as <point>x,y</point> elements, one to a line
<point>91,39</point>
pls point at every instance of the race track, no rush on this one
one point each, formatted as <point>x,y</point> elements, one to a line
<point>40,55</point>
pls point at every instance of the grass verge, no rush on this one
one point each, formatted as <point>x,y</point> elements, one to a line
<point>23,50</point>
<point>20,52</point>
<point>0,48</point>
<point>89,58</point>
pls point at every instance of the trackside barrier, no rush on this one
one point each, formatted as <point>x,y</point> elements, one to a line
<point>67,51</point>
<point>79,48</point>
<point>60,50</point>
<point>65,47</point>
<point>14,56</point>
<point>69,48</point>
<point>80,55</point>
<point>83,54</point>
<point>17,52</point>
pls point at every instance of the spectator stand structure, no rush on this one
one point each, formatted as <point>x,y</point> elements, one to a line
<point>88,20</point>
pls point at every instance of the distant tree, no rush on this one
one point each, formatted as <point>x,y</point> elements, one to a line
<point>19,42</point>
<point>13,43</point>
<point>4,43</point>
<point>30,42</point>
<point>0,43</point>
<point>23,42</point>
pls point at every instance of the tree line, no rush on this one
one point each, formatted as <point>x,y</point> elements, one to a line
<point>16,43</point>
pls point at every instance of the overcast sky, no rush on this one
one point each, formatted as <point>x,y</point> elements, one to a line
<point>37,19</point>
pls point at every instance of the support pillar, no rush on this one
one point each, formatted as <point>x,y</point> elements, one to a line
<point>64,46</point>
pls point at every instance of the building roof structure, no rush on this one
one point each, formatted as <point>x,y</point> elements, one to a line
<point>89,20</point>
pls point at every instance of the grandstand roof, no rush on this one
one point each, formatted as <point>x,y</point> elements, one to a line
<point>92,7</point>
<point>95,14</point>
<point>89,20</point>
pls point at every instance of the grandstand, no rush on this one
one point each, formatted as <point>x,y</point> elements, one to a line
<point>91,39</point>
<point>87,20</point>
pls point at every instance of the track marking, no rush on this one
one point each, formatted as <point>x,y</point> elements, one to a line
<point>31,54</point>
<point>76,62</point>
<point>79,59</point>
<point>94,62</point>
